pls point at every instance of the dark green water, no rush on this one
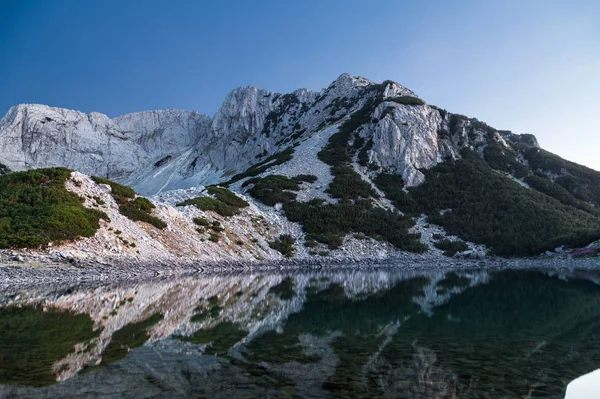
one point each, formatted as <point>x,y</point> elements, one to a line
<point>507,334</point>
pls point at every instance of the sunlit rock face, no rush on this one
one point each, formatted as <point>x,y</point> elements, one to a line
<point>155,151</point>
<point>323,334</point>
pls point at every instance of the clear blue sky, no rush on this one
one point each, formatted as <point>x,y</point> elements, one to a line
<point>527,65</point>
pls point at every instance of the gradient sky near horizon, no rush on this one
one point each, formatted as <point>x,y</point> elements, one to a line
<point>530,66</point>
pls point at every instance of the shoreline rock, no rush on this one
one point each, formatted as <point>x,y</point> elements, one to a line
<point>29,274</point>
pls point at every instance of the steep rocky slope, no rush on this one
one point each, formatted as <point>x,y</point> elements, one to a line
<point>158,150</point>
<point>357,169</point>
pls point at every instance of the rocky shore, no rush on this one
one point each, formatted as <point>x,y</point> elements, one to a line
<point>19,273</point>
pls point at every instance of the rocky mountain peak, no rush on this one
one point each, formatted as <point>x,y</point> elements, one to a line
<point>345,80</point>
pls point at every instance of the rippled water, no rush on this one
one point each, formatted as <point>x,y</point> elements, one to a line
<point>382,333</point>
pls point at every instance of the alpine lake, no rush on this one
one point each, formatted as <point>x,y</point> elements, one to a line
<point>381,333</point>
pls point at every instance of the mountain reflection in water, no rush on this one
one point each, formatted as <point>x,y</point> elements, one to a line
<point>382,333</point>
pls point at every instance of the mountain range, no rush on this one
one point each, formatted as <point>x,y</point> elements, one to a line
<point>358,160</point>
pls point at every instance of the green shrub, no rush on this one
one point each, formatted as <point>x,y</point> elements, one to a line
<point>210,204</point>
<point>305,178</point>
<point>202,222</point>
<point>274,189</point>
<point>337,151</point>
<point>129,337</point>
<point>329,224</point>
<point>581,182</point>
<point>450,248</point>
<point>98,200</point>
<point>503,159</point>
<point>488,208</point>
<point>217,228</point>
<point>226,202</point>
<point>347,184</point>
<point>36,208</point>
<point>285,289</point>
<point>214,237</point>
<point>139,210</point>
<point>406,100</point>
<point>558,192</point>
<point>136,209</point>
<point>34,339</point>
<point>393,187</point>
<point>284,244</point>
<point>120,193</point>
<point>310,243</point>
<point>226,196</point>
<point>219,339</point>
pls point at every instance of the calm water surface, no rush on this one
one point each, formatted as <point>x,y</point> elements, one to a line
<point>386,334</point>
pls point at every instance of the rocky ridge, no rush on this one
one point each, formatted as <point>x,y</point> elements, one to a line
<point>155,151</point>
<point>173,154</point>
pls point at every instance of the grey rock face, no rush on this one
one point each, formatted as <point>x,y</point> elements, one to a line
<point>41,136</point>
<point>155,151</point>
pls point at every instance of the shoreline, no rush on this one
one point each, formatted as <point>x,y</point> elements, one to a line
<point>15,275</point>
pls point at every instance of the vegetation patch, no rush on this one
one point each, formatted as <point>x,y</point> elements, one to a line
<point>127,338</point>
<point>348,184</point>
<point>204,222</point>
<point>305,178</point>
<point>4,170</point>
<point>337,151</point>
<point>393,187</point>
<point>227,197</point>
<point>122,194</point>
<point>406,100</point>
<point>329,224</point>
<point>490,209</point>
<point>32,340</point>
<point>558,192</point>
<point>36,209</point>
<point>210,204</point>
<point>202,312</point>
<point>139,210</point>
<point>219,339</point>
<point>274,189</point>
<point>581,182</point>
<point>226,202</point>
<point>503,159</point>
<point>98,200</point>
<point>285,290</point>
<point>284,244</point>
<point>451,248</point>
